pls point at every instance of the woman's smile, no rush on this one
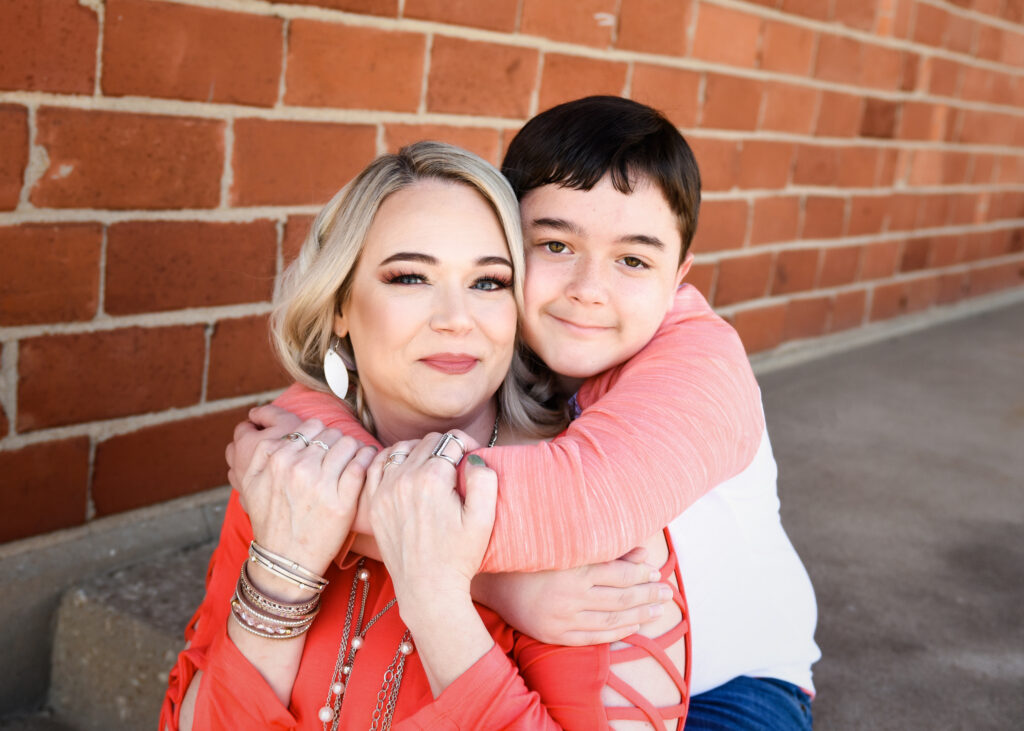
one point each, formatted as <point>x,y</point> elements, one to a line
<point>451,363</point>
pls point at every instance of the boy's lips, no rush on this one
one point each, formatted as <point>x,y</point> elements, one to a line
<point>580,327</point>
<point>451,363</point>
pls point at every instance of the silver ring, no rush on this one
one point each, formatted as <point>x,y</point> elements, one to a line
<point>296,436</point>
<point>442,444</point>
<point>322,445</point>
<point>393,459</point>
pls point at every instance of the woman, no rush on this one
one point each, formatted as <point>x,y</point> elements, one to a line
<point>426,244</point>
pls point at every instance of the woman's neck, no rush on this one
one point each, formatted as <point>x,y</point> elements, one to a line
<point>393,428</point>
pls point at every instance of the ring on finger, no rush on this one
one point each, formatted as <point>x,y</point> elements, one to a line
<point>442,444</point>
<point>323,445</point>
<point>394,458</point>
<point>296,436</point>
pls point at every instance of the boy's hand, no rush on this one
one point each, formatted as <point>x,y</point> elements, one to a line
<point>589,605</point>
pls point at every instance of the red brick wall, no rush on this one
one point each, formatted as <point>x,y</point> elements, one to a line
<point>160,160</point>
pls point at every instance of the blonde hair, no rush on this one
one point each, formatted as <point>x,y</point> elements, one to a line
<point>315,285</point>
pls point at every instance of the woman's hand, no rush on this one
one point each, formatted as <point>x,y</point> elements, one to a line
<point>430,540</point>
<point>302,499</point>
<point>589,605</point>
<point>265,422</point>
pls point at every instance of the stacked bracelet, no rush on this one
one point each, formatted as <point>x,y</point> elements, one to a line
<point>266,617</point>
<point>286,569</point>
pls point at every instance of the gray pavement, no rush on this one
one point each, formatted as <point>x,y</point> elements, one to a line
<point>901,473</point>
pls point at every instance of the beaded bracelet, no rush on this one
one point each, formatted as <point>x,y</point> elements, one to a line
<point>259,599</point>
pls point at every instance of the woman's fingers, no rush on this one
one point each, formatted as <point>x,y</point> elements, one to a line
<point>274,417</point>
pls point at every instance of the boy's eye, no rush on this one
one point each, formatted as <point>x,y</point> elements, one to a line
<point>555,247</point>
<point>634,262</point>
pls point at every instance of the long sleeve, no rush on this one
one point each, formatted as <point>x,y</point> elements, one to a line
<point>655,434</point>
<point>232,693</point>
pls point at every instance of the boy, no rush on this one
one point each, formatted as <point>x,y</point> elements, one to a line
<point>610,194</point>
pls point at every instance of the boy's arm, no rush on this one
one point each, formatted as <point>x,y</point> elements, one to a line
<point>656,433</point>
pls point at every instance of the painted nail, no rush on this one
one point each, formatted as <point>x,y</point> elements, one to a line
<point>476,460</point>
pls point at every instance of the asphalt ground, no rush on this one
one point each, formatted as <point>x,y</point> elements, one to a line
<point>901,474</point>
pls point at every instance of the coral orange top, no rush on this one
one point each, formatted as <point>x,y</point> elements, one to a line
<point>655,434</point>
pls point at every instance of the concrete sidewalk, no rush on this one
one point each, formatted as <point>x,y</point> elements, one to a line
<point>901,473</point>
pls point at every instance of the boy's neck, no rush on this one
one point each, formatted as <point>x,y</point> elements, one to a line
<point>568,385</point>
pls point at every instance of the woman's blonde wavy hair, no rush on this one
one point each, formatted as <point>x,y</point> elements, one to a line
<point>318,282</point>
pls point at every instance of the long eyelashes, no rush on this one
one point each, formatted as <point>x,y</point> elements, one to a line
<point>491,282</point>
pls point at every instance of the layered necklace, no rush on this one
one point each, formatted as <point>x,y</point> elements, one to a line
<point>353,637</point>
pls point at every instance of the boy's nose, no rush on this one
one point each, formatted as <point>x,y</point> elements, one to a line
<point>589,283</point>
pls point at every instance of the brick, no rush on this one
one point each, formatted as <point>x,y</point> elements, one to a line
<point>879,118</point>
<point>13,153</point>
<point>284,162</point>
<point>879,260</point>
<point>764,164</point>
<point>702,276</point>
<point>984,127</point>
<point>858,14</point>
<point>795,270</point>
<point>944,76</point>
<point>960,35</point>
<point>902,17</point>
<point>499,15</point>
<point>184,52</point>
<point>903,212</point>
<point>760,328</point>
<point>1013,49</point>
<point>839,59</point>
<point>996,277</point>
<point>674,92</point>
<point>930,25</point>
<point>473,77</point>
<point>367,7</point>
<point>848,310</point>
<point>934,210</point>
<point>121,161</point>
<point>723,225</point>
<point>242,360</point>
<point>575,21</point>
<point>48,45</point>
<point>922,121</point>
<point>911,72</point>
<point>726,36</point>
<point>977,84</point>
<point>731,102</point>
<point>162,462</point>
<point>915,254</point>
<point>989,44</point>
<point>839,115</point>
<point>481,140</point>
<point>171,265</point>
<point>565,78</point>
<point>654,26</point>
<point>883,68</point>
<point>775,219</point>
<point>44,487</point>
<point>887,163</point>
<point>944,251</point>
<point>786,48</point>
<point>839,266</point>
<point>922,293</point>
<point>806,318</point>
<point>352,67</point>
<point>743,278</point>
<point>295,231</point>
<point>857,167</point>
<point>69,379</point>
<point>889,300</point>
<point>926,167</point>
<point>815,165</point>
<point>52,273</point>
<point>823,217</point>
<point>807,8</point>
<point>952,288</point>
<point>966,208</point>
<point>789,108</point>
<point>718,161</point>
<point>983,168</point>
<point>867,215</point>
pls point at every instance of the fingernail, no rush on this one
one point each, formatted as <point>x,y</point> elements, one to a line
<point>654,576</point>
<point>664,593</point>
<point>476,460</point>
<point>657,610</point>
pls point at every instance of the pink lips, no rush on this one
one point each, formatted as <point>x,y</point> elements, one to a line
<point>451,363</point>
<point>577,327</point>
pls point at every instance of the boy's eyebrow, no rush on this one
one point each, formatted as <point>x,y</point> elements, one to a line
<point>642,239</point>
<point>432,261</point>
<point>559,224</point>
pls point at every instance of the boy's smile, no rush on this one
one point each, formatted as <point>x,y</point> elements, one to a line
<point>602,268</point>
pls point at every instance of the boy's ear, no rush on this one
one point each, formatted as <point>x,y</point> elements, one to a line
<point>684,268</point>
<point>340,324</point>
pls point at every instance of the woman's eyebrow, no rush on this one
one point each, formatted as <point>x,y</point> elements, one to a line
<point>410,256</point>
<point>487,260</point>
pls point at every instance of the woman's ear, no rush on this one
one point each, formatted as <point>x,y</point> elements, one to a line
<point>340,324</point>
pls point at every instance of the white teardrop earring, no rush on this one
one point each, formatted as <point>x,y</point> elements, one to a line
<point>335,371</point>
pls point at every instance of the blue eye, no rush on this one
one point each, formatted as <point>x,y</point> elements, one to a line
<point>492,284</point>
<point>405,279</point>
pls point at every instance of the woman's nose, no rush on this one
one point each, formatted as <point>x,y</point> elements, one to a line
<point>452,311</point>
<point>588,284</point>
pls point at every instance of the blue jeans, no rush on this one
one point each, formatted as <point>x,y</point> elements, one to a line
<point>750,704</point>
